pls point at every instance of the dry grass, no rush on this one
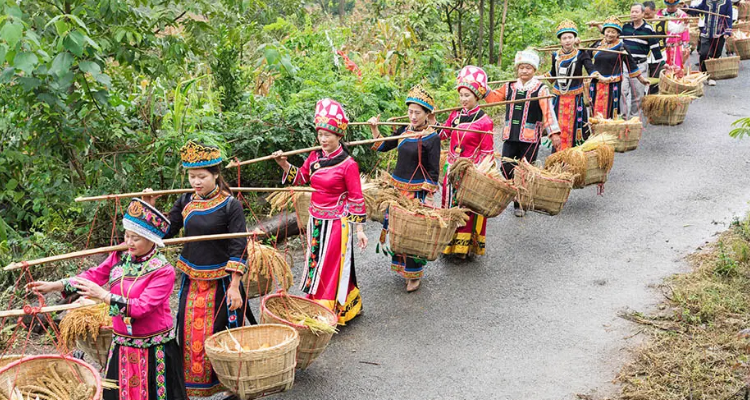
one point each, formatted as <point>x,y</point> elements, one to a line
<point>698,350</point>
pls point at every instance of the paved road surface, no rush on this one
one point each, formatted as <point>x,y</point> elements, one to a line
<point>536,318</point>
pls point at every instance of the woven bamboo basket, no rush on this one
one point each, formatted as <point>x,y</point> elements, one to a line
<point>628,134</point>
<point>302,207</point>
<point>667,85</point>
<point>72,370</point>
<point>742,47</point>
<point>418,235</point>
<point>594,174</point>
<point>541,194</point>
<point>743,11</point>
<point>675,116</point>
<point>743,26</point>
<point>260,287</point>
<point>695,37</point>
<point>723,68</point>
<point>483,195</point>
<point>97,349</point>
<point>9,358</point>
<point>311,345</point>
<point>266,367</point>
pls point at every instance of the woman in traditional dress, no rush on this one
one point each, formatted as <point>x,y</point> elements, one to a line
<point>337,209</point>
<point>472,87</point>
<point>570,109</point>
<point>525,122</point>
<point>144,361</point>
<point>212,298</point>
<point>678,47</point>
<point>605,91</point>
<point>417,169</point>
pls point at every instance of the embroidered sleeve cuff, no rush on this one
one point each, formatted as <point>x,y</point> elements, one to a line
<point>68,289</point>
<point>118,306</point>
<point>357,219</point>
<point>290,176</point>
<point>635,73</point>
<point>236,265</point>
<point>356,207</point>
<point>430,187</point>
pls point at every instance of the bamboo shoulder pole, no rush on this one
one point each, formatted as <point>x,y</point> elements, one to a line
<point>554,78</point>
<point>389,123</point>
<point>495,104</point>
<point>109,249</point>
<point>179,191</point>
<point>47,309</point>
<point>309,149</point>
<point>546,49</point>
<point>708,12</point>
<point>633,37</point>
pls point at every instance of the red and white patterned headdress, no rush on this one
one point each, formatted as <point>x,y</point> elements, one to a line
<point>474,79</point>
<point>330,116</point>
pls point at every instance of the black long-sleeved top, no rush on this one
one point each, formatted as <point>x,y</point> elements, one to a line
<point>571,64</point>
<point>408,175</point>
<point>610,64</point>
<point>218,213</point>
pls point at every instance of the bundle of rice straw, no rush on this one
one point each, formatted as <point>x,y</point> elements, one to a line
<point>590,162</point>
<point>370,189</point>
<point>267,264</point>
<point>544,191</point>
<point>666,109</point>
<point>84,323</point>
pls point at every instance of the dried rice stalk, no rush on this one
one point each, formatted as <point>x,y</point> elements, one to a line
<point>616,120</point>
<point>531,173</point>
<point>288,309</point>
<point>84,322</point>
<point>266,261</point>
<point>54,386</point>
<point>574,159</point>
<point>280,201</point>
<point>488,167</point>
<point>689,79</point>
<point>661,105</point>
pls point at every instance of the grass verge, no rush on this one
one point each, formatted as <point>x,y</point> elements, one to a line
<point>697,345</point>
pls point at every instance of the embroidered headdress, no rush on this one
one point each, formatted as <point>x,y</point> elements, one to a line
<point>671,2</point>
<point>612,22</point>
<point>527,57</point>
<point>474,79</point>
<point>197,155</point>
<point>145,220</point>
<point>418,95</point>
<point>330,116</point>
<point>567,26</point>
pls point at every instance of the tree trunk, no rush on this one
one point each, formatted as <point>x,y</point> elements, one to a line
<point>491,33</point>
<point>461,29</point>
<point>502,34</point>
<point>342,4</point>
<point>450,29</point>
<point>480,38</point>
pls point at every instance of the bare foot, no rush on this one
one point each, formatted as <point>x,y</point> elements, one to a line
<point>412,285</point>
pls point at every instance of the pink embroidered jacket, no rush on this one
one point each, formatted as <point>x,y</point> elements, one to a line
<point>474,146</point>
<point>335,178</point>
<point>140,290</point>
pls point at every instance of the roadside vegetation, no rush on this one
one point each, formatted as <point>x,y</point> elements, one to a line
<point>697,343</point>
